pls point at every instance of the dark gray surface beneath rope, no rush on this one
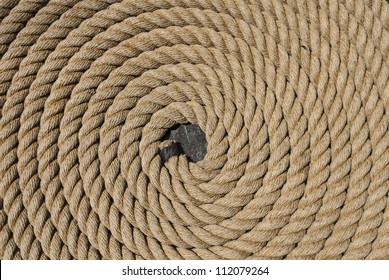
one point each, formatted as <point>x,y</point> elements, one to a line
<point>189,140</point>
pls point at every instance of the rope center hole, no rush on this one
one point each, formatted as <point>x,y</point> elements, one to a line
<point>187,139</point>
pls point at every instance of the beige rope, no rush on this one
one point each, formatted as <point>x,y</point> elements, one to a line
<point>293,97</point>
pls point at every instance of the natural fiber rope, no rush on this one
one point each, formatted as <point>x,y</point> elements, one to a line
<point>293,97</point>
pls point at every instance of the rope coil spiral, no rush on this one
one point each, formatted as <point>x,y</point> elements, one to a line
<point>293,97</point>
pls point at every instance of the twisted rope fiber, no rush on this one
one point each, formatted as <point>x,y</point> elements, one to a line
<point>293,97</point>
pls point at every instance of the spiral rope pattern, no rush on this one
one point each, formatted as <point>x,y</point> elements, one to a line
<point>293,97</point>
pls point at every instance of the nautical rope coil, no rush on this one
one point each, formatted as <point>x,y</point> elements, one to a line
<point>293,97</point>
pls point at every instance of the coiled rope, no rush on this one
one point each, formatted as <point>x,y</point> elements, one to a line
<point>293,97</point>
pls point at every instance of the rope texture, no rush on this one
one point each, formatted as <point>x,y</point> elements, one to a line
<point>293,97</point>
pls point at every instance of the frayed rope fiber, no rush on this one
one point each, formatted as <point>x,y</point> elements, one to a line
<point>292,96</point>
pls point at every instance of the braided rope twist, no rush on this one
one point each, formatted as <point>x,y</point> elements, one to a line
<point>293,98</point>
